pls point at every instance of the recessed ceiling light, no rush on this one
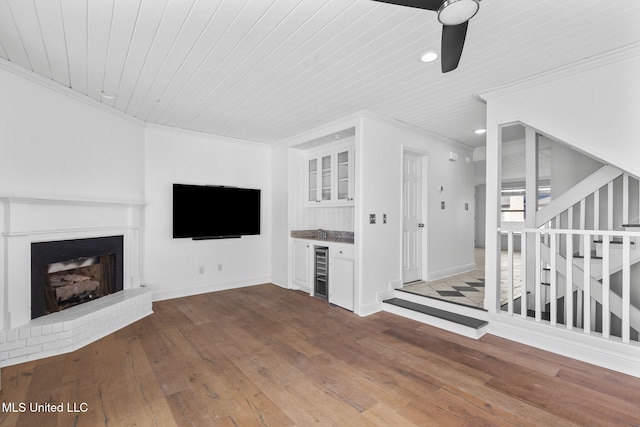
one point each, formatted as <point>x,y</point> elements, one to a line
<point>429,56</point>
<point>480,131</point>
<point>108,96</point>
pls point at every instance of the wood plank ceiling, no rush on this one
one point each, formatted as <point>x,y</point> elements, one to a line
<point>264,70</point>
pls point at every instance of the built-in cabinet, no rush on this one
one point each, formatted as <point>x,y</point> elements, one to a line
<point>301,263</point>
<point>341,276</point>
<point>330,177</point>
<point>339,289</point>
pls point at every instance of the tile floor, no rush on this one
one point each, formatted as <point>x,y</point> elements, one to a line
<point>467,288</point>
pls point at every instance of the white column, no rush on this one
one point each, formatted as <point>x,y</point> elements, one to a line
<point>531,191</point>
<point>492,221</point>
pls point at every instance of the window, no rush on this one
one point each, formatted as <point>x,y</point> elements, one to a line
<point>514,203</point>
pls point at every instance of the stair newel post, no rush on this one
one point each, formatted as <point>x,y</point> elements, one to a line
<point>568,299</point>
<point>523,274</point>
<point>553,302</point>
<point>538,280</point>
<point>586,323</point>
<point>606,287</point>
<point>626,287</point>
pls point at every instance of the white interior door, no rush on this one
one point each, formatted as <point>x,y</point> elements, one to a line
<point>412,224</point>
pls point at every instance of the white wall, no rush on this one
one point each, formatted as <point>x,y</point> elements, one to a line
<point>595,111</point>
<point>280,215</point>
<point>450,231</point>
<point>172,265</point>
<point>52,145</point>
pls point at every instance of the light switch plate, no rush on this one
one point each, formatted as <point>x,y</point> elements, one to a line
<point>372,218</point>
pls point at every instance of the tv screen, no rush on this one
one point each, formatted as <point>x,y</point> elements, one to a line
<point>215,212</point>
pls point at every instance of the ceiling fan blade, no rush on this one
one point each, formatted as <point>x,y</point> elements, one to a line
<point>452,43</point>
<point>420,4</point>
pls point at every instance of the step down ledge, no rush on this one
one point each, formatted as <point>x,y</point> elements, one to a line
<point>442,304</point>
<point>463,325</point>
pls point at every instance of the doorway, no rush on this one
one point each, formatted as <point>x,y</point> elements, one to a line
<point>413,230</point>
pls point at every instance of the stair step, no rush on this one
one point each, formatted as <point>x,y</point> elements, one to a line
<point>593,255</point>
<point>612,242</point>
<point>459,319</point>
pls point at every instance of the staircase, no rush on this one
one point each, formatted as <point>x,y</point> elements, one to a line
<point>584,246</point>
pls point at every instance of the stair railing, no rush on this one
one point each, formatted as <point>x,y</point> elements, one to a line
<point>575,300</point>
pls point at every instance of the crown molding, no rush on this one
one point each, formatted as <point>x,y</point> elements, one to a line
<point>153,126</point>
<point>66,91</point>
<point>623,53</point>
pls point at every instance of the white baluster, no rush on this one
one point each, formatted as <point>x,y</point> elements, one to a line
<point>610,206</point>
<point>582,226</point>
<point>510,273</point>
<point>587,285</point>
<point>523,275</point>
<point>538,284</point>
<point>553,286</point>
<point>625,198</point>
<point>626,288</point>
<point>606,287</point>
<point>568,299</point>
<point>596,210</point>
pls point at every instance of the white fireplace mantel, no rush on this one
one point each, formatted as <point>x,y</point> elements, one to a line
<point>26,220</point>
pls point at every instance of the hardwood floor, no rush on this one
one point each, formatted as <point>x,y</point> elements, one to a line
<point>268,356</point>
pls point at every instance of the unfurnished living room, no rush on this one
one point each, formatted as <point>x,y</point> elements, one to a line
<point>319,212</point>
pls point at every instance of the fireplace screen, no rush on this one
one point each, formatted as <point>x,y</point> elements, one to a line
<point>77,281</point>
<point>66,273</point>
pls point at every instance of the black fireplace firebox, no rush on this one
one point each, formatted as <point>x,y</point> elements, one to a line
<point>65,273</point>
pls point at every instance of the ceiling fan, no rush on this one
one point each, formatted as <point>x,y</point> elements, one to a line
<point>454,15</point>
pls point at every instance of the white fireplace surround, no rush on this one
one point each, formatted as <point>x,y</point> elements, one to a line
<point>28,220</point>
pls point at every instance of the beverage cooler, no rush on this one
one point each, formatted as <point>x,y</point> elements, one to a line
<point>321,276</point>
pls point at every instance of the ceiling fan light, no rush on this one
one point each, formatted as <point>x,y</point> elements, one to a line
<point>455,12</point>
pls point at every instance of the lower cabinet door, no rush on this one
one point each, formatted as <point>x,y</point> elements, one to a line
<point>301,253</point>
<point>341,282</point>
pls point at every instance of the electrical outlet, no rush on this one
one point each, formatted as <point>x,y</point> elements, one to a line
<point>441,205</point>
<point>201,269</point>
<point>219,267</point>
<point>384,218</point>
<point>372,218</point>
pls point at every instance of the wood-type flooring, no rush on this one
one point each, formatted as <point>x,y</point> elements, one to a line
<point>267,356</point>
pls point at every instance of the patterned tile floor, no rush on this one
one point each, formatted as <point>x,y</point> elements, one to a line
<point>467,288</point>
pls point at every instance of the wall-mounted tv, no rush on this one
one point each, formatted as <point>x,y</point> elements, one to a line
<point>215,212</point>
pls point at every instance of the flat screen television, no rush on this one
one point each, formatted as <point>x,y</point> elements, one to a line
<point>215,212</point>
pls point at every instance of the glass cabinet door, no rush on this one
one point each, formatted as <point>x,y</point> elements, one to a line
<point>313,180</point>
<point>326,177</point>
<point>343,175</point>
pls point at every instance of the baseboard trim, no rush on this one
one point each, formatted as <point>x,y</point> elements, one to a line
<point>203,289</point>
<point>605,353</point>
<point>448,272</point>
